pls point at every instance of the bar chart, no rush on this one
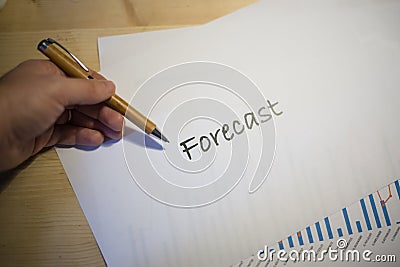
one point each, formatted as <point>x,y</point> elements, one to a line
<point>378,210</point>
<point>373,223</point>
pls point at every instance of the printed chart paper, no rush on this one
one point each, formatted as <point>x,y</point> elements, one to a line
<point>304,94</point>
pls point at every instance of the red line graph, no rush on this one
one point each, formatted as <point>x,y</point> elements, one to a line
<point>383,202</point>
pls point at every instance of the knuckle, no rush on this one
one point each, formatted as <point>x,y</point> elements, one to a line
<point>49,67</point>
<point>28,63</point>
<point>42,65</point>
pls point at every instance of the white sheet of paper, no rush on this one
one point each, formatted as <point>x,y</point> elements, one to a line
<point>334,68</point>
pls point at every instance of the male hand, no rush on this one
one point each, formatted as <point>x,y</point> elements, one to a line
<point>40,107</point>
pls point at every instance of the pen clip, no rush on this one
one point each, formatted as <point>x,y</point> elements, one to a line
<point>52,41</point>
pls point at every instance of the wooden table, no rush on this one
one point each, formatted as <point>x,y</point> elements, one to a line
<point>41,222</point>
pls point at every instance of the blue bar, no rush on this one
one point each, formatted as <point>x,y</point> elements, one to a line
<point>290,240</point>
<point>397,222</point>
<point>340,232</point>
<point>347,220</point>
<point>385,212</point>
<point>280,243</point>
<point>300,238</point>
<point>377,220</point>
<point>320,237</point>
<point>310,238</point>
<point>397,188</point>
<point>328,227</point>
<point>366,217</point>
<point>359,228</point>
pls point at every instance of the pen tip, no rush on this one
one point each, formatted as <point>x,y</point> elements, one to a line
<point>158,134</point>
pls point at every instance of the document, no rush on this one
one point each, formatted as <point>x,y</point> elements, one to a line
<point>278,115</point>
<point>365,232</point>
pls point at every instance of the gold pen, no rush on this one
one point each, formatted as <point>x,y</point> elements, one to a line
<point>72,66</point>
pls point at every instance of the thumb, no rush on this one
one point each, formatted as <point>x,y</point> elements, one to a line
<point>74,91</point>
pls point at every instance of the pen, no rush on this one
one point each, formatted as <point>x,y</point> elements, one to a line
<point>72,66</point>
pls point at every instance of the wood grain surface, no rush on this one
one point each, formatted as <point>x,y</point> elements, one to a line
<point>41,222</point>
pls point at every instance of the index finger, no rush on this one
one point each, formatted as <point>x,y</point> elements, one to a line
<point>96,75</point>
<point>75,91</point>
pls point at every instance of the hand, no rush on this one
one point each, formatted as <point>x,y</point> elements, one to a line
<point>41,107</point>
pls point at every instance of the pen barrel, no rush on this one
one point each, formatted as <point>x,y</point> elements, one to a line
<point>133,115</point>
<point>64,62</point>
<point>72,69</point>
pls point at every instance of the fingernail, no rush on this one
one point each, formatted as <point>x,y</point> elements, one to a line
<point>109,85</point>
